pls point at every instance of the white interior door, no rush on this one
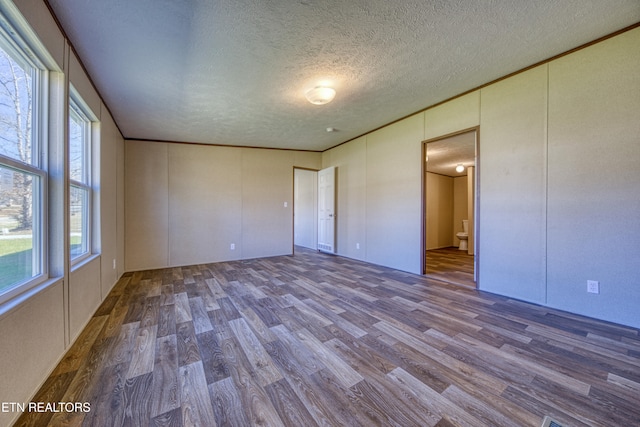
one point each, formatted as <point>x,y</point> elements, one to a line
<point>326,210</point>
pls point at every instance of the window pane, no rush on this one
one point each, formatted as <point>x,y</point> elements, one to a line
<point>77,146</point>
<point>79,221</point>
<point>18,198</point>
<point>16,109</point>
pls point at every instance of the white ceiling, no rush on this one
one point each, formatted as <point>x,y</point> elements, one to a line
<point>235,72</point>
<point>443,155</point>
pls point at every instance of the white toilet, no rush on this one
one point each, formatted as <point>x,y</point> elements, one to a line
<point>463,235</point>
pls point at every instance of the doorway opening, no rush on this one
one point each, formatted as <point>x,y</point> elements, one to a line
<point>305,208</point>
<point>314,209</point>
<point>450,207</point>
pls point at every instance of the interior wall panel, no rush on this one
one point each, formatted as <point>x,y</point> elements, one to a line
<point>594,180</point>
<point>80,81</point>
<point>453,116</point>
<point>267,184</point>
<point>439,213</point>
<point>84,295</point>
<point>513,186</point>
<point>109,203</point>
<point>120,208</point>
<point>147,205</point>
<point>32,342</point>
<point>393,194</point>
<point>351,182</point>
<point>307,159</point>
<point>45,28</point>
<point>205,188</point>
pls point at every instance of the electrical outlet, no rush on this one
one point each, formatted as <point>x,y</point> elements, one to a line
<point>233,247</point>
<point>357,245</point>
<point>114,263</point>
<point>593,286</point>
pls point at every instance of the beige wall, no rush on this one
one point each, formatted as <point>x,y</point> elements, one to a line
<point>512,183</point>
<point>559,169</point>
<point>394,194</point>
<point>446,207</point>
<point>147,205</point>
<point>36,331</point>
<point>350,161</point>
<point>439,211</point>
<point>111,202</point>
<point>33,339</point>
<point>593,216</point>
<point>187,204</point>
<point>453,116</point>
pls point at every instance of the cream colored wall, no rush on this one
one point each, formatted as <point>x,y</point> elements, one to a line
<point>204,197</point>
<point>382,198</point>
<point>446,207</point>
<point>456,115</point>
<point>471,211</point>
<point>440,200</point>
<point>35,332</point>
<point>350,161</point>
<point>146,199</point>
<point>187,204</point>
<point>45,31</point>
<point>112,203</point>
<point>513,186</point>
<point>559,169</point>
<point>593,210</point>
<point>584,226</point>
<point>393,194</point>
<point>33,339</point>
<point>267,185</point>
<point>85,286</point>
<point>84,295</point>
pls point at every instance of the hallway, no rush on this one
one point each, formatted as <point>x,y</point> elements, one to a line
<point>451,265</point>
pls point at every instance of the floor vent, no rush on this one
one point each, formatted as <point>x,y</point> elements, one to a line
<point>550,422</point>
<point>325,248</point>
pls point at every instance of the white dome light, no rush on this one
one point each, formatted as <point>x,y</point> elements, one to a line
<point>460,168</point>
<point>320,95</point>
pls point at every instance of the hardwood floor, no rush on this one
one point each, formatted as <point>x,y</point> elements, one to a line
<point>318,340</point>
<point>450,265</point>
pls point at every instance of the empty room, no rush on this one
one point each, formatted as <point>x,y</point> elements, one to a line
<point>319,213</point>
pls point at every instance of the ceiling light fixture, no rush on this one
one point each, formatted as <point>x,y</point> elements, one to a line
<point>459,168</point>
<point>320,95</point>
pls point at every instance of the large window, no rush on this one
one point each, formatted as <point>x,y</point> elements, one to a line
<point>80,194</point>
<point>23,175</point>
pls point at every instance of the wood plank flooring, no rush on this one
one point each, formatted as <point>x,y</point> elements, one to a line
<point>451,265</point>
<point>318,340</point>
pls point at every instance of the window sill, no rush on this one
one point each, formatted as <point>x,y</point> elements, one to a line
<point>82,261</point>
<point>15,302</point>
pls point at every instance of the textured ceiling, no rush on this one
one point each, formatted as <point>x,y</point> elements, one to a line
<point>235,72</point>
<point>445,154</point>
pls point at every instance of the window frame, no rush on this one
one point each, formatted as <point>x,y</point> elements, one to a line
<point>79,109</point>
<point>18,50</point>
